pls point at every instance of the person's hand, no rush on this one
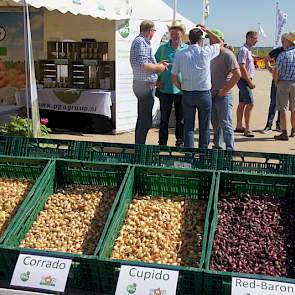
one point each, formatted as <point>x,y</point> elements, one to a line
<point>163,66</point>
<point>269,69</point>
<point>222,92</point>
<point>164,62</point>
<point>160,84</point>
<point>251,85</point>
<point>202,27</point>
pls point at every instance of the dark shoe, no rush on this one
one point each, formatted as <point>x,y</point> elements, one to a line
<point>292,134</point>
<point>248,133</point>
<point>240,130</point>
<point>278,128</point>
<point>282,136</point>
<point>179,143</point>
<point>267,128</point>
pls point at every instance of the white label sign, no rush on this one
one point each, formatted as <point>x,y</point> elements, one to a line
<point>41,272</point>
<point>243,286</point>
<point>135,280</point>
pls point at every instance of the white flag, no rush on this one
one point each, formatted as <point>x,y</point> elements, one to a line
<point>206,9</point>
<point>261,31</point>
<point>281,21</point>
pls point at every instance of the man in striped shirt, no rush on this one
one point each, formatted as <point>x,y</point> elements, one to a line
<point>284,77</point>
<point>145,69</point>
<point>193,64</point>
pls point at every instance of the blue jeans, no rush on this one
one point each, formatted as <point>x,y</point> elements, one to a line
<point>145,94</point>
<point>222,107</point>
<point>201,100</point>
<point>272,106</point>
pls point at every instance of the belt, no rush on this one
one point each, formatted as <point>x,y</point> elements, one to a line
<point>146,82</point>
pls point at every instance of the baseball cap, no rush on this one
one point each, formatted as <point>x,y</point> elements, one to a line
<point>218,33</point>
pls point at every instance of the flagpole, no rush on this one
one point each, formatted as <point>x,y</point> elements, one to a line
<point>174,10</point>
<point>277,9</point>
<point>203,12</point>
<point>258,30</point>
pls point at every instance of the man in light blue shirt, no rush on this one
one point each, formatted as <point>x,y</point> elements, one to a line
<point>193,64</point>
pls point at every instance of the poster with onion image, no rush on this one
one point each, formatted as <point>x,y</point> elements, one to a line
<point>12,51</point>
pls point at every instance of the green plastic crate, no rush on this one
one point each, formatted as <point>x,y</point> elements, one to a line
<point>181,157</point>
<point>43,147</point>
<point>256,162</point>
<point>11,167</point>
<point>111,152</point>
<point>4,146</point>
<point>218,282</point>
<point>84,270</point>
<point>165,182</point>
<point>22,168</point>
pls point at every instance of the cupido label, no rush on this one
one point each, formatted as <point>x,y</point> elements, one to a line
<point>144,280</point>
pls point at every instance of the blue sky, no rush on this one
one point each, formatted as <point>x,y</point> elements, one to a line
<point>236,17</point>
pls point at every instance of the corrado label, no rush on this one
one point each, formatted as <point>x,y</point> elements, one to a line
<point>29,261</point>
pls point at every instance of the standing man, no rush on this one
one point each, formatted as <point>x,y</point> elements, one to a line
<point>284,77</point>
<point>145,69</point>
<point>246,84</point>
<point>169,94</point>
<point>225,73</point>
<point>193,64</point>
<point>272,56</point>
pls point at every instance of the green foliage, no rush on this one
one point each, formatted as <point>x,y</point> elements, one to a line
<point>21,127</point>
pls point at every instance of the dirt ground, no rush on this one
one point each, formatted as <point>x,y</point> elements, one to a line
<point>261,142</point>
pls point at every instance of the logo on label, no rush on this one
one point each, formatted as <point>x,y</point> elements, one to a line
<point>48,281</point>
<point>77,2</point>
<point>25,276</point>
<point>125,30</point>
<point>157,291</point>
<point>131,289</point>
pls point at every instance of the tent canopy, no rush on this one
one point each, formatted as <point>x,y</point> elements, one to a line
<point>155,10</point>
<point>110,9</point>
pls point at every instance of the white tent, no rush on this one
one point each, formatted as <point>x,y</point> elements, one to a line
<point>110,9</point>
<point>125,15</point>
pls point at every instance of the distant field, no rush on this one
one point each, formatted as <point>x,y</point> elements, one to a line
<point>260,51</point>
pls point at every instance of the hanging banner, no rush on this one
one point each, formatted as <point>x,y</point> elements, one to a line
<point>281,21</point>
<point>32,80</point>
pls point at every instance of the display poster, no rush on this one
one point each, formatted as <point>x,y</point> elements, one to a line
<point>126,102</point>
<point>12,53</point>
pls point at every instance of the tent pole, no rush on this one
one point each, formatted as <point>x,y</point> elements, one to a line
<point>26,57</point>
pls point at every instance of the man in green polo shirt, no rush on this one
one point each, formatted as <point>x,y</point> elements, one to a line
<point>167,92</point>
